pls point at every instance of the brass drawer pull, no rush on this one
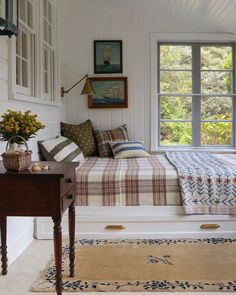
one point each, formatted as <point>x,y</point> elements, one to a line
<point>69,196</point>
<point>68,180</point>
<point>210,226</point>
<point>114,227</point>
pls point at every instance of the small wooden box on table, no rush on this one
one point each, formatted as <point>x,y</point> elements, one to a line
<point>43,193</point>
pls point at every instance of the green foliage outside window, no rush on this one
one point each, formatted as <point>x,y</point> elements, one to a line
<point>213,58</point>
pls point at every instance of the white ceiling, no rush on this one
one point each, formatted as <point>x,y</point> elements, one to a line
<point>217,16</point>
<point>181,15</point>
<point>188,15</point>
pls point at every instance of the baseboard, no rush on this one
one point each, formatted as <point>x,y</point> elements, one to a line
<point>148,222</point>
<point>19,236</point>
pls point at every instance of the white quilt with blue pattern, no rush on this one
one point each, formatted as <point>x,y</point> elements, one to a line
<point>207,182</point>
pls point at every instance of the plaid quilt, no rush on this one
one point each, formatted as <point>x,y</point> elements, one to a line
<point>127,182</point>
<point>207,182</point>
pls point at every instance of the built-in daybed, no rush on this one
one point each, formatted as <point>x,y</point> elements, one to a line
<point>140,198</point>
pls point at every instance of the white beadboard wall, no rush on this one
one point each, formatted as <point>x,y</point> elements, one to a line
<point>132,21</point>
<point>20,230</point>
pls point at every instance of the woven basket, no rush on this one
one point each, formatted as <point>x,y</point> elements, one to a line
<point>18,160</point>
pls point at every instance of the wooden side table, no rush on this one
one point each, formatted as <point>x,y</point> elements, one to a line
<point>44,193</point>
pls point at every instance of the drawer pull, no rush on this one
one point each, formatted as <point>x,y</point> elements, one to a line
<point>69,196</point>
<point>68,180</point>
<point>114,227</point>
<point>210,226</point>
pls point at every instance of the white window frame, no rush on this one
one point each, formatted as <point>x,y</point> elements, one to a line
<point>196,94</point>
<point>19,93</point>
<point>51,52</point>
<point>31,57</point>
<point>157,38</point>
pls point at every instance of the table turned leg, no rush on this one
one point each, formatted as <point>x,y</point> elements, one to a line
<point>72,237</point>
<point>3,227</point>
<point>58,253</point>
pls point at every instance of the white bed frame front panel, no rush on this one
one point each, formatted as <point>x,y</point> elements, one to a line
<point>140,222</point>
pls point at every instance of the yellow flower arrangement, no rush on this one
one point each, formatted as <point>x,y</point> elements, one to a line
<point>17,123</point>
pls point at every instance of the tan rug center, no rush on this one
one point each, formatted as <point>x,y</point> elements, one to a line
<point>195,262</point>
<point>183,262</point>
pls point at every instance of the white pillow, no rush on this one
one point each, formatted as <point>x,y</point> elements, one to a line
<point>62,149</point>
<point>128,149</point>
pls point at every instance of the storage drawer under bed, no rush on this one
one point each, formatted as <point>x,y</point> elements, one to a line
<point>161,222</point>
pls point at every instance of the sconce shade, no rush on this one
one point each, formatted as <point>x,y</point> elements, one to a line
<point>9,17</point>
<point>88,88</point>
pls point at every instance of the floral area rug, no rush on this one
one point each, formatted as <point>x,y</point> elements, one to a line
<point>147,265</point>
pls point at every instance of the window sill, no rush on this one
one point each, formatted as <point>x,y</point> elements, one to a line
<point>218,150</point>
<point>32,99</point>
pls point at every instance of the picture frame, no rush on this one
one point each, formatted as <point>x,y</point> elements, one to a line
<point>108,57</point>
<point>110,92</point>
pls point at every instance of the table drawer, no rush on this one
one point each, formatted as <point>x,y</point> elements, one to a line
<point>68,181</point>
<point>68,198</point>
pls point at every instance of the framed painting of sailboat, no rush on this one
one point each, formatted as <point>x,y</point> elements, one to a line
<point>108,56</point>
<point>110,92</point>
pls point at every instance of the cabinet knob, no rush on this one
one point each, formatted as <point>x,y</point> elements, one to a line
<point>68,180</point>
<point>69,196</point>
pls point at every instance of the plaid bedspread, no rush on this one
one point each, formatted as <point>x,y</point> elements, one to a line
<point>127,182</point>
<point>207,182</point>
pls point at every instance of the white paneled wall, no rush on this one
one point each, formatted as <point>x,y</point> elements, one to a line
<point>20,230</point>
<point>131,21</point>
<point>103,20</point>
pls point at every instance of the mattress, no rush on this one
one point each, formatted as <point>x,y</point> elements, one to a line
<point>148,181</point>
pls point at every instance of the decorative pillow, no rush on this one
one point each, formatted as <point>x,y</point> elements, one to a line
<point>82,135</point>
<point>44,154</point>
<point>129,149</point>
<point>103,138</point>
<point>60,149</point>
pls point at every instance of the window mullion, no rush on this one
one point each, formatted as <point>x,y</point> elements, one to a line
<point>196,99</point>
<point>233,97</point>
<point>33,65</point>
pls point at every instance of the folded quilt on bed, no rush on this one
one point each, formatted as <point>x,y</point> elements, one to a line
<point>207,182</point>
<point>126,182</point>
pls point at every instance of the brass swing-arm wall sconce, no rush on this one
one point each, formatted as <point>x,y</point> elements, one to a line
<point>87,89</point>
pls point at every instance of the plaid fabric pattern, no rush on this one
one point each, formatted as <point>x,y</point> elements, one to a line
<point>103,138</point>
<point>127,182</point>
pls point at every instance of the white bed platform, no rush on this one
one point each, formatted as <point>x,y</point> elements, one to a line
<point>140,222</point>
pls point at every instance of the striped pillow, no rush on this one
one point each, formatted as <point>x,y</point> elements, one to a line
<point>128,149</point>
<point>62,149</point>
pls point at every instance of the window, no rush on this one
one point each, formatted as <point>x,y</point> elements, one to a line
<point>195,94</point>
<point>25,56</point>
<point>34,53</point>
<point>48,50</point>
